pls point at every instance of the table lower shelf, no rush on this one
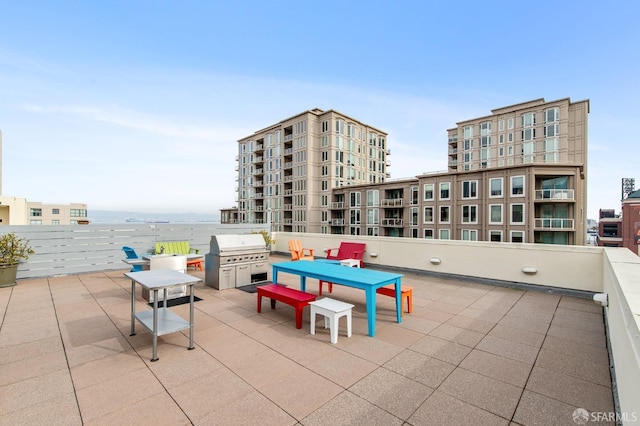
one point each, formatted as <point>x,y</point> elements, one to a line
<point>168,322</point>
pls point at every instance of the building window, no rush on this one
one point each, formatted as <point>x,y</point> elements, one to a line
<point>35,222</point>
<point>373,198</point>
<point>428,192</point>
<point>372,232</point>
<point>517,236</point>
<point>495,236</point>
<point>428,215</point>
<point>500,125</point>
<point>517,186</point>
<point>444,214</point>
<point>55,211</point>
<point>470,189</point>
<point>510,123</point>
<point>414,216</point>
<point>428,234</point>
<point>373,217</point>
<point>495,187</point>
<point>529,119</point>
<point>444,191</point>
<point>78,213</point>
<point>495,214</point>
<point>415,191</point>
<point>55,222</point>
<point>354,199</point>
<point>35,212</point>
<point>552,115</point>
<point>528,152</point>
<point>354,217</point>
<point>445,234</point>
<point>470,214</point>
<point>551,150</point>
<point>517,214</point>
<point>469,235</point>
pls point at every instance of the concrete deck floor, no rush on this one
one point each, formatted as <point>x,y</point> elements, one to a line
<point>468,354</point>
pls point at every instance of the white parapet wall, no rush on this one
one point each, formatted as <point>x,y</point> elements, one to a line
<point>569,267</point>
<point>622,286</point>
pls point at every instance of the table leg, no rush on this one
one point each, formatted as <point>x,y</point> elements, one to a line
<point>154,356</point>
<point>398,301</point>
<point>133,308</point>
<point>371,310</point>
<point>303,283</point>
<point>191,300</point>
<point>274,275</point>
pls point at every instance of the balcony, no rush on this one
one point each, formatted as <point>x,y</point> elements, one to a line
<point>391,202</point>
<point>554,224</point>
<point>392,222</point>
<point>337,205</point>
<point>484,343</point>
<point>555,194</point>
<point>337,222</point>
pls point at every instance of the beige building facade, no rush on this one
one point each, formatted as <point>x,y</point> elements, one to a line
<point>517,175</point>
<point>19,211</point>
<point>287,171</point>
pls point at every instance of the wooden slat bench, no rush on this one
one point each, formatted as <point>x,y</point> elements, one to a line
<point>390,290</point>
<point>296,298</point>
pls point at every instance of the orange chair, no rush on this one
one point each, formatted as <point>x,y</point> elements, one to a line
<point>298,252</point>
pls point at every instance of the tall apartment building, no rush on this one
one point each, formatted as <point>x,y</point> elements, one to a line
<point>517,175</point>
<point>287,171</point>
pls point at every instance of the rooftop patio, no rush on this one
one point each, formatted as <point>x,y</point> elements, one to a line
<point>469,353</point>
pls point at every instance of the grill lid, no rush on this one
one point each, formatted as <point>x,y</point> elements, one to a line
<point>229,244</point>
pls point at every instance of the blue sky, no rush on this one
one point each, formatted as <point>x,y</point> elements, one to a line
<point>137,105</point>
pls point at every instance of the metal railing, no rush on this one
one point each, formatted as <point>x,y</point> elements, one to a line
<point>554,223</point>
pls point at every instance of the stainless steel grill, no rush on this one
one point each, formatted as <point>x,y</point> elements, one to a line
<point>236,261</point>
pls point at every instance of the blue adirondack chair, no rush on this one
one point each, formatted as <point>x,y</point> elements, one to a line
<point>131,254</point>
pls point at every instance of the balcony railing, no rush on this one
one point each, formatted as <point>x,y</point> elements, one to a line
<point>391,202</point>
<point>555,194</point>
<point>554,223</point>
<point>392,222</point>
<point>337,222</point>
<point>337,205</point>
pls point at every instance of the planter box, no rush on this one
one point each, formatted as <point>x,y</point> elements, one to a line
<point>8,275</point>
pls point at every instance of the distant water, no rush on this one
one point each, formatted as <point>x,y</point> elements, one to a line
<point>107,216</point>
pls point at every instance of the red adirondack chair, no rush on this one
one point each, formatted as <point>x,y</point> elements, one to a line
<point>348,251</point>
<point>345,251</point>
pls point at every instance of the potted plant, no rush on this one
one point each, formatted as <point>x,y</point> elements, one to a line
<point>267,238</point>
<point>12,250</point>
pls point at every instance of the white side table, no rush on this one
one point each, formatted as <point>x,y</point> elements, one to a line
<point>332,310</point>
<point>352,263</point>
<point>160,321</point>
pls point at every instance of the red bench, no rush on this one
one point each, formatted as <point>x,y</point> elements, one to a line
<point>296,298</point>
